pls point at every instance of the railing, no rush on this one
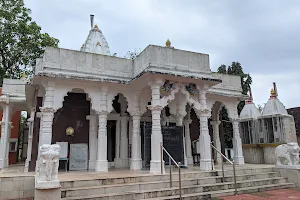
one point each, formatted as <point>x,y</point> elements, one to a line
<point>230,162</point>
<point>162,150</point>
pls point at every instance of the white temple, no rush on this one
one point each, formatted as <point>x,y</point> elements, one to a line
<point>110,112</point>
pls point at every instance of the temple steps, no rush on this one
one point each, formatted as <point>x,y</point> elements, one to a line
<point>194,184</point>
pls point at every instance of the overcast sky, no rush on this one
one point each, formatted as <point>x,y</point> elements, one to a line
<point>264,36</point>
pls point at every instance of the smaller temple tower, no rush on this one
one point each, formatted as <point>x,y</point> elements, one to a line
<point>262,132</point>
<point>95,42</point>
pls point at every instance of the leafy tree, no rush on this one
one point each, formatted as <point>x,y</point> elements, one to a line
<point>21,40</point>
<point>246,80</point>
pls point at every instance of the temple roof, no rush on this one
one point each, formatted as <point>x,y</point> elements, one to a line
<point>274,105</point>
<point>96,42</point>
<point>250,111</point>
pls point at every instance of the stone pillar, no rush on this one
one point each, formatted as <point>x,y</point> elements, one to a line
<point>204,142</point>
<point>118,134</point>
<point>30,123</point>
<point>93,129</point>
<point>217,142</point>
<point>237,143</point>
<point>5,136</point>
<point>204,138</point>
<point>136,154</point>
<point>124,142</point>
<point>188,142</point>
<point>101,162</point>
<point>156,136</point>
<point>47,114</point>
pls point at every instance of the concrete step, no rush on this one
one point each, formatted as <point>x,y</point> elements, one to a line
<point>117,188</point>
<point>163,192</point>
<point>229,192</point>
<point>152,178</point>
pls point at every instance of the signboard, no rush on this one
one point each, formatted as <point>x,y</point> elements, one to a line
<point>78,157</point>
<point>173,143</point>
<point>63,153</point>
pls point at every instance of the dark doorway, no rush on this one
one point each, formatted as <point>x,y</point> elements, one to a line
<point>72,114</point>
<point>111,140</point>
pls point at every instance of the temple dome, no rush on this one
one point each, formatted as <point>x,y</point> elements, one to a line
<point>274,105</point>
<point>96,42</point>
<point>250,111</point>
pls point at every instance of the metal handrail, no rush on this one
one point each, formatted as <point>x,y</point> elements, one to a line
<point>162,150</point>
<point>230,162</point>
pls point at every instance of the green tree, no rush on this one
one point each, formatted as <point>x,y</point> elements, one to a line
<point>234,69</point>
<point>21,40</point>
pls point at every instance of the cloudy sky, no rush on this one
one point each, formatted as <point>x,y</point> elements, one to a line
<point>264,36</point>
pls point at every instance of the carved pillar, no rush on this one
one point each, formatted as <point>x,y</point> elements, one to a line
<point>118,134</point>
<point>47,114</point>
<point>93,130</point>
<point>136,154</point>
<point>217,143</point>
<point>156,136</point>
<point>30,124</point>
<point>124,142</point>
<point>188,143</point>
<point>237,143</point>
<point>204,138</point>
<point>5,136</point>
<point>101,162</point>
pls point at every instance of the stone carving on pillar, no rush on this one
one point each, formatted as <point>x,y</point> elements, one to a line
<point>47,168</point>
<point>101,164</point>
<point>135,112</point>
<point>217,143</point>
<point>237,143</point>
<point>287,155</point>
<point>46,125</point>
<point>156,136</point>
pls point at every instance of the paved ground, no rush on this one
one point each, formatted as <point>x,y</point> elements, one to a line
<point>284,194</point>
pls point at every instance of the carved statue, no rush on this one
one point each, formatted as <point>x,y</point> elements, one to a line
<point>287,154</point>
<point>47,168</point>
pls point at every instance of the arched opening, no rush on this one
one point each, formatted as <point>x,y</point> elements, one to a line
<point>71,129</point>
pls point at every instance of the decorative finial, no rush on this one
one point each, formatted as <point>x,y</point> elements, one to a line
<point>98,44</point>
<point>96,27</point>
<point>168,43</point>
<point>273,93</point>
<point>24,76</point>
<point>250,99</point>
<point>92,20</point>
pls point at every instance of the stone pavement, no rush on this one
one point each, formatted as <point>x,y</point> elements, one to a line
<point>284,194</point>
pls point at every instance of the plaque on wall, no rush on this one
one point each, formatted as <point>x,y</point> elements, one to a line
<point>63,153</point>
<point>78,157</point>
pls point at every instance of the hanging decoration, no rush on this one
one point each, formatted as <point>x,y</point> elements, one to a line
<point>191,88</point>
<point>70,131</point>
<point>166,87</point>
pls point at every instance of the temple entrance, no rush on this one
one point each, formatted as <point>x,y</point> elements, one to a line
<point>172,141</point>
<point>71,127</point>
<point>111,140</point>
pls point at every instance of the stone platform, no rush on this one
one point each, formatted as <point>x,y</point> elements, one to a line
<point>127,184</point>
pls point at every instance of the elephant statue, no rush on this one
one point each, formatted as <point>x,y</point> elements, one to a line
<point>287,154</point>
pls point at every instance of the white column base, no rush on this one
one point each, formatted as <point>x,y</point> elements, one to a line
<point>155,167</point>
<point>101,166</point>
<point>205,165</point>
<point>190,161</point>
<point>239,160</point>
<point>92,164</point>
<point>121,163</point>
<point>136,164</point>
<point>26,168</point>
